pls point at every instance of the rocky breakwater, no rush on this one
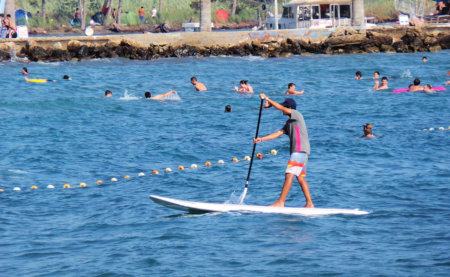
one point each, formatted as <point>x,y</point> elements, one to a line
<point>343,40</point>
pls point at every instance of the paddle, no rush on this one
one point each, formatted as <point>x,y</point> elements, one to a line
<point>253,153</point>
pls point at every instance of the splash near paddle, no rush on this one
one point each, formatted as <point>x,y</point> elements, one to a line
<point>407,89</point>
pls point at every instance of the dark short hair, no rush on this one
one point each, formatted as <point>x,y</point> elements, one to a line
<point>429,86</point>
<point>227,108</point>
<point>358,73</point>
<point>410,86</point>
<point>377,72</point>
<point>142,7</point>
<point>193,79</point>
<point>2,15</point>
<point>26,70</point>
<point>8,15</point>
<point>416,81</point>
<point>65,77</point>
<point>290,85</point>
<point>384,78</point>
<point>148,94</point>
<point>108,92</point>
<point>424,57</point>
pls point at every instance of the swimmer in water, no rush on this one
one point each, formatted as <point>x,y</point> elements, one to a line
<point>384,85</point>
<point>416,86</point>
<point>367,131</point>
<point>228,109</point>
<point>108,93</point>
<point>376,75</point>
<point>25,71</point>
<point>38,80</point>
<point>158,97</point>
<point>291,90</point>
<point>198,86</point>
<point>245,87</point>
<point>424,59</point>
<point>65,77</point>
<point>358,75</point>
<point>428,89</point>
<point>448,82</point>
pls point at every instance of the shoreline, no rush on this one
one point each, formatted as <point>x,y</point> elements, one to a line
<point>281,43</point>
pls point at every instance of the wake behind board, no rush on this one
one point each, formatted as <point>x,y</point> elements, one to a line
<point>201,207</point>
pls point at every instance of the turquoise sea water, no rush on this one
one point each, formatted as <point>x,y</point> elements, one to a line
<point>68,132</point>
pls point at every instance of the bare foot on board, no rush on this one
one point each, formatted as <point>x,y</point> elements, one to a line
<point>309,206</point>
<point>277,204</point>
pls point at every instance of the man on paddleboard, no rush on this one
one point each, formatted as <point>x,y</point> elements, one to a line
<point>295,128</point>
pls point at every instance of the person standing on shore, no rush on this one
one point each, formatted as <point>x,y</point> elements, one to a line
<point>142,15</point>
<point>295,128</point>
<point>198,86</point>
<point>154,11</point>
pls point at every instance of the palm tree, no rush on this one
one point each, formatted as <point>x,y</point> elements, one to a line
<point>233,8</point>
<point>358,13</point>
<point>205,16</point>
<point>119,11</point>
<point>43,10</point>
<point>108,14</point>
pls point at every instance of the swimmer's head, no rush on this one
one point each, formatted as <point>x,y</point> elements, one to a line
<point>194,80</point>
<point>65,77</point>
<point>424,59</point>
<point>428,86</point>
<point>289,103</point>
<point>367,128</point>
<point>228,109</point>
<point>410,86</point>
<point>384,80</point>
<point>358,75</point>
<point>243,83</point>
<point>376,74</point>
<point>148,94</point>
<point>2,15</point>
<point>291,85</point>
<point>416,81</point>
<point>25,70</point>
<point>108,93</point>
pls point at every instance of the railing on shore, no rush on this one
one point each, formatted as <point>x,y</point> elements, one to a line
<point>437,19</point>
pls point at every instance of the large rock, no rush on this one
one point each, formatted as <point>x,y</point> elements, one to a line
<point>7,46</point>
<point>74,45</point>
<point>342,41</point>
<point>379,39</point>
<point>416,44</point>
<point>444,41</point>
<point>435,47</point>
<point>387,49</point>
<point>83,52</point>
<point>112,43</point>
<point>38,54</point>
<point>130,42</point>
<point>400,46</point>
<point>4,55</point>
<point>429,40</point>
<point>57,46</point>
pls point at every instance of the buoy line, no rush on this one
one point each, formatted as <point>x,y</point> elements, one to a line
<point>432,129</point>
<point>155,172</point>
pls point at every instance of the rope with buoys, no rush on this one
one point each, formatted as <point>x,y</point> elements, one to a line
<point>154,172</point>
<point>440,128</point>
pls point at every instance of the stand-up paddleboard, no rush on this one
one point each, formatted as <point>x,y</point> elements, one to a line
<point>201,207</point>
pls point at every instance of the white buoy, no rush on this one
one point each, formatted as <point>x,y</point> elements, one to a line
<point>113,180</point>
<point>247,158</point>
<point>17,188</point>
<point>50,186</point>
<point>89,31</point>
<point>141,174</point>
<point>194,166</point>
<point>273,152</point>
<point>221,162</point>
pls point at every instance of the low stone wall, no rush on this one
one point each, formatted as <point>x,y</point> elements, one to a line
<point>265,44</point>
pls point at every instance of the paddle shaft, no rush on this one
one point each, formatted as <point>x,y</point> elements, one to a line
<point>254,144</point>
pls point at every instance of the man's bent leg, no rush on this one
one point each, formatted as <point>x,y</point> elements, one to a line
<point>284,192</point>
<point>305,188</point>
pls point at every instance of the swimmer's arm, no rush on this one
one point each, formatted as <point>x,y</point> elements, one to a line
<point>250,89</point>
<point>163,95</point>
<point>268,137</point>
<point>236,88</point>
<point>297,92</point>
<point>448,73</point>
<point>275,104</point>
<point>376,85</point>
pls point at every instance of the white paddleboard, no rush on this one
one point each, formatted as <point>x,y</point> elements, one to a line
<point>201,207</point>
